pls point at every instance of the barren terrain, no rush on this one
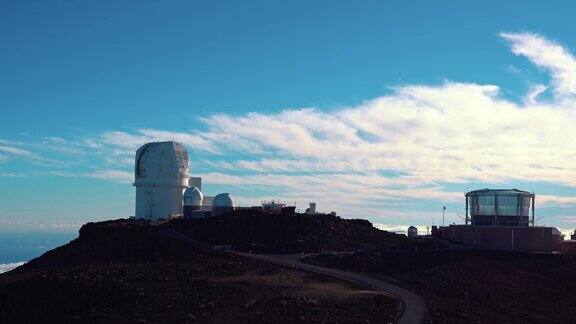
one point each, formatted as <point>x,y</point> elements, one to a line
<point>130,271</point>
<point>479,286</point>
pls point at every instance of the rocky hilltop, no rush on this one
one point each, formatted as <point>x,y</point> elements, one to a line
<point>131,271</point>
<point>255,230</point>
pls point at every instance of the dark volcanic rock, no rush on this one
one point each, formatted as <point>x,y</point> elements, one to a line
<point>115,241</point>
<point>130,271</point>
<point>476,286</point>
<point>261,232</point>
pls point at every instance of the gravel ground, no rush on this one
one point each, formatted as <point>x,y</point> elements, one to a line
<point>476,286</point>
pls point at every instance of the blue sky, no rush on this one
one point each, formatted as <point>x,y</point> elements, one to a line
<point>385,110</point>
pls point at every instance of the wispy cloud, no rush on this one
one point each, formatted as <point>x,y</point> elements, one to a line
<point>15,151</point>
<point>9,266</point>
<point>119,176</point>
<point>547,55</point>
<point>131,142</point>
<point>553,200</point>
<point>12,175</point>
<point>112,175</point>
<point>535,91</point>
<point>450,133</point>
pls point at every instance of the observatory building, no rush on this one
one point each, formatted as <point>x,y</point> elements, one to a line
<point>222,204</point>
<point>412,231</point>
<point>161,176</point>
<point>501,219</point>
<point>192,200</point>
<point>500,207</point>
<point>164,188</point>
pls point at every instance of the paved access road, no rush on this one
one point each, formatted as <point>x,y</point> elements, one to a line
<point>414,307</point>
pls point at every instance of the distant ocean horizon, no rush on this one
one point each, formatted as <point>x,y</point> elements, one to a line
<point>16,248</point>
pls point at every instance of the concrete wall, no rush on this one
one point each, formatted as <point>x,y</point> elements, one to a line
<point>569,247</point>
<point>501,238</point>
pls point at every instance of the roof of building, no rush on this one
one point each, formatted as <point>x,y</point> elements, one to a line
<point>499,191</point>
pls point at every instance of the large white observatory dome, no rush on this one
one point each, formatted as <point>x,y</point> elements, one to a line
<point>161,175</point>
<point>193,197</point>
<point>162,164</point>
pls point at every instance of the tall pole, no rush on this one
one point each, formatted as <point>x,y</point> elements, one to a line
<point>533,202</point>
<point>443,209</point>
<point>466,214</point>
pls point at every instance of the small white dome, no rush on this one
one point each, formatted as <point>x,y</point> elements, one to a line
<point>223,200</point>
<point>193,197</point>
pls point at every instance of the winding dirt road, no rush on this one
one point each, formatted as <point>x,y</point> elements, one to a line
<point>414,307</point>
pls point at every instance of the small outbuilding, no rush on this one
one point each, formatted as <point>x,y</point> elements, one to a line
<point>412,231</point>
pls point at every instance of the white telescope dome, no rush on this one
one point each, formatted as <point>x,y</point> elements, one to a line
<point>162,164</point>
<point>223,200</point>
<point>193,197</point>
<point>161,174</point>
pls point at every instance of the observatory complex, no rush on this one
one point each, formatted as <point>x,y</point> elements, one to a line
<point>165,189</point>
<point>500,219</point>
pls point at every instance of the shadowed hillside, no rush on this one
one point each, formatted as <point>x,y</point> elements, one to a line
<point>261,232</point>
<point>130,271</point>
<point>480,286</point>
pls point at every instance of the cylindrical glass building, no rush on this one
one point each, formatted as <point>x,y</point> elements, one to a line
<point>500,207</point>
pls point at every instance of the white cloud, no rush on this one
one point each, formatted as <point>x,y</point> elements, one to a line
<point>513,69</point>
<point>552,200</point>
<point>193,141</point>
<point>9,266</point>
<point>535,91</point>
<point>455,132</point>
<point>122,140</point>
<point>12,175</point>
<point>351,192</point>
<point>113,175</point>
<point>547,55</point>
<point>119,176</point>
<point>130,142</point>
<point>23,151</point>
<point>15,151</point>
